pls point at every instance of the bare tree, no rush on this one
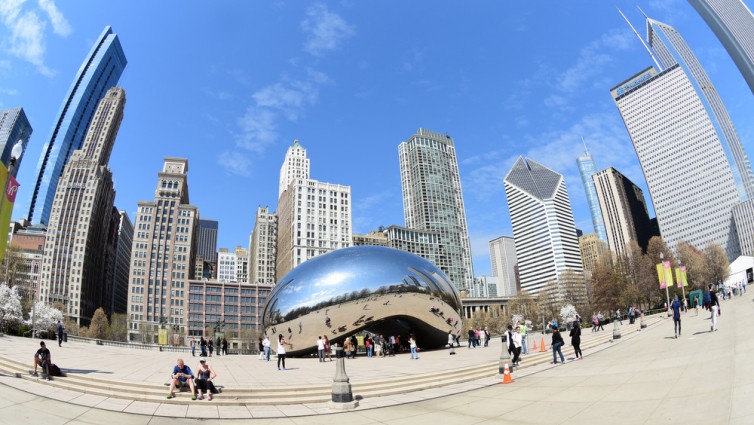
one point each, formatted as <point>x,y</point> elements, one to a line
<point>118,327</point>
<point>717,263</point>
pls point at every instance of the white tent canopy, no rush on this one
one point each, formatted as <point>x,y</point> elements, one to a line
<point>739,271</point>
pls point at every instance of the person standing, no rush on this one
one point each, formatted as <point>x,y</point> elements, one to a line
<point>211,346</point>
<point>321,349</point>
<point>193,347</point>
<point>471,338</point>
<point>676,306</point>
<point>486,336</point>
<point>281,351</point>
<point>618,316</point>
<point>516,338</point>
<point>412,345</point>
<point>203,346</point>
<point>266,344</point>
<point>327,349</point>
<point>451,341</point>
<point>482,338</point>
<point>714,307</point>
<point>260,347</point>
<point>576,340</point>
<point>225,347</point>
<point>631,315</point>
<point>557,343</point>
<point>524,348</point>
<point>60,334</point>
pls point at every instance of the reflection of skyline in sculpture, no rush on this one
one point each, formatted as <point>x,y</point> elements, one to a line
<point>377,289</point>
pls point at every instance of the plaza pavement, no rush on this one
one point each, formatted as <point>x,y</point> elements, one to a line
<point>646,377</point>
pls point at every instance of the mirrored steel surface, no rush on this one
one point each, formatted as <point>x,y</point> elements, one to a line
<point>377,289</point>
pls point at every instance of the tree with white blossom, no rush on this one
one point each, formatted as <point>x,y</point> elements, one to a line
<point>568,313</point>
<point>10,306</point>
<point>44,316</point>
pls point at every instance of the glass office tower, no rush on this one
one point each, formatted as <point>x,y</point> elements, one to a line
<point>100,71</point>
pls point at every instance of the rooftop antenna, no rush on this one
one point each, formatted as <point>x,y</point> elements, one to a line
<point>652,55</point>
<point>586,151</point>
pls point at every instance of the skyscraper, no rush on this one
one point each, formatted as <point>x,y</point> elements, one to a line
<point>504,260</point>
<point>121,240</point>
<point>624,211</point>
<point>162,258</point>
<point>671,49</point>
<point>100,71</point>
<point>206,239</point>
<point>14,127</point>
<point>682,157</point>
<point>263,247</point>
<point>543,225</point>
<point>733,24</point>
<point>295,166</point>
<point>314,217</point>
<point>75,258</point>
<point>587,170</point>
<point>433,200</point>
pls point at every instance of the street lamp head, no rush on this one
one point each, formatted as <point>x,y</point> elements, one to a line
<point>662,256</point>
<point>17,151</point>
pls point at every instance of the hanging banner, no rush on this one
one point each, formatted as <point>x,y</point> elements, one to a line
<point>661,276</point>
<point>6,208</point>
<point>678,278</point>
<point>668,273</point>
<point>683,276</point>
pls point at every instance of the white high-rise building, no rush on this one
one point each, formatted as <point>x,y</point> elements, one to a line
<point>314,217</point>
<point>543,226</point>
<point>733,24</point>
<point>295,166</point>
<point>226,266</point>
<point>672,49</point>
<point>263,247</point>
<point>688,174</point>
<point>503,258</point>
<point>433,200</point>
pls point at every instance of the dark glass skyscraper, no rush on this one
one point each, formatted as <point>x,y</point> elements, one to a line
<point>100,71</point>
<point>14,127</point>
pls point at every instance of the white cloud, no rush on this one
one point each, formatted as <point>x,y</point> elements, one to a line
<point>325,30</point>
<point>258,129</point>
<point>593,58</point>
<point>234,163</point>
<point>27,28</point>
<point>59,24</point>
<point>8,92</point>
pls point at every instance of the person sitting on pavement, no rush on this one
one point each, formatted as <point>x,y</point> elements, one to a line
<point>181,376</point>
<point>42,358</point>
<point>204,376</point>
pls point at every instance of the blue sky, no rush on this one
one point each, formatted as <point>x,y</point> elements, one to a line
<point>230,84</point>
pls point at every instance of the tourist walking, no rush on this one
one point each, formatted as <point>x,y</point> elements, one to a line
<point>60,334</point>
<point>601,320</point>
<point>714,308</point>
<point>576,339</point>
<point>281,351</point>
<point>524,348</point>
<point>321,349</point>
<point>618,316</point>
<point>676,306</point>
<point>557,343</point>
<point>595,322</point>
<point>631,315</point>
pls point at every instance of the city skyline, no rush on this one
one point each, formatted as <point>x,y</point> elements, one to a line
<point>233,118</point>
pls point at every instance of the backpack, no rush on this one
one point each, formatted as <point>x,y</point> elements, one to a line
<point>55,370</point>
<point>707,298</point>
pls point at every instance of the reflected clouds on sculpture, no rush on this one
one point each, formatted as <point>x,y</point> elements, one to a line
<point>365,288</point>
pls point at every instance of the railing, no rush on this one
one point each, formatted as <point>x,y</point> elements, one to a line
<point>168,348</point>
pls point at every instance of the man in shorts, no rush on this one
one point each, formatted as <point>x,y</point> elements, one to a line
<point>181,376</point>
<point>42,358</point>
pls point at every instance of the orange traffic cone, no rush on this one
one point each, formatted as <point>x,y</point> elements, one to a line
<point>542,348</point>
<point>534,348</point>
<point>507,375</point>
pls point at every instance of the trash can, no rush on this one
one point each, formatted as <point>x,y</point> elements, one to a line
<point>65,336</point>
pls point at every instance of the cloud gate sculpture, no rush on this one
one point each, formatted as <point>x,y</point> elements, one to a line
<point>365,288</point>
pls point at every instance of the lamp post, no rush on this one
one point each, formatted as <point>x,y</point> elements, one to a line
<point>667,294</point>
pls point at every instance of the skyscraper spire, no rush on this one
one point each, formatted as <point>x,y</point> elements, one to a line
<point>651,54</point>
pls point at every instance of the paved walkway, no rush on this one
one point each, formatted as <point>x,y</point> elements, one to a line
<point>649,377</point>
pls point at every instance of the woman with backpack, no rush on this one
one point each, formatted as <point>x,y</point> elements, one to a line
<point>576,339</point>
